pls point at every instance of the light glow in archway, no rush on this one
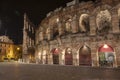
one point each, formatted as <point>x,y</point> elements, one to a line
<point>106,56</point>
<point>105,48</point>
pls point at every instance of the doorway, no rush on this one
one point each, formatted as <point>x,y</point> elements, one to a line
<point>85,56</point>
<point>68,56</point>
<point>55,55</point>
<point>106,56</point>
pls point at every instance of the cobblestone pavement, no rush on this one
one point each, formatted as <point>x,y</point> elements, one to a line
<point>15,71</point>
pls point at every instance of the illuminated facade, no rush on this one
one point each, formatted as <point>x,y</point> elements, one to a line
<point>8,50</point>
<point>28,40</point>
<point>84,34</point>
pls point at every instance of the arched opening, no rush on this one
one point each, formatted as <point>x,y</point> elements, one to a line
<point>84,23</point>
<point>55,55</point>
<point>31,51</point>
<point>85,56</point>
<point>68,56</point>
<point>103,22</point>
<point>106,55</point>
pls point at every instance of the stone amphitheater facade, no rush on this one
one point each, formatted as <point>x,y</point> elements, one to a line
<point>81,34</point>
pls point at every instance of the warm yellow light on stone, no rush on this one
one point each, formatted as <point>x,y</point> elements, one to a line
<point>18,48</point>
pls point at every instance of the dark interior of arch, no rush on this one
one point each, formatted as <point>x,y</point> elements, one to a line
<point>86,24</point>
<point>86,50</point>
<point>104,26</point>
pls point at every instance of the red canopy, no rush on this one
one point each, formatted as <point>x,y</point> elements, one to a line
<point>105,48</point>
<point>55,51</point>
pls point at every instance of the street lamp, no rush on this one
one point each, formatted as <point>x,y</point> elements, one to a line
<point>18,48</point>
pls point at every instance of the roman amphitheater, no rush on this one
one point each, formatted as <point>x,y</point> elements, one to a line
<point>80,34</point>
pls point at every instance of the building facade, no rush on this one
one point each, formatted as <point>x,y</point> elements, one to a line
<point>81,34</point>
<point>8,50</point>
<point>28,40</point>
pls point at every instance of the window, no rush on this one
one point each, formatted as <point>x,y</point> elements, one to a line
<point>84,23</point>
<point>103,21</point>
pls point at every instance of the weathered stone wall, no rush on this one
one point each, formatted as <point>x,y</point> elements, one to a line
<point>85,23</point>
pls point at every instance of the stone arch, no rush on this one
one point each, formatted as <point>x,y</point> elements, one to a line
<point>106,56</point>
<point>54,26</point>
<point>55,55</point>
<point>31,53</point>
<point>84,23</point>
<point>68,56</point>
<point>85,56</point>
<point>103,21</point>
<point>97,12</point>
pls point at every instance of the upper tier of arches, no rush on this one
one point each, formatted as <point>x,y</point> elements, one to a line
<point>84,18</point>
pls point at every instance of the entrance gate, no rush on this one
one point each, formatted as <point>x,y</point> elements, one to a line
<point>68,57</point>
<point>106,56</point>
<point>85,56</point>
<point>55,55</point>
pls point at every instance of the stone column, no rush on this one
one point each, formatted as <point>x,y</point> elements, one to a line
<point>74,24</point>
<point>62,57</point>
<point>49,33</point>
<point>117,56</point>
<point>94,55</point>
<point>50,54</point>
<point>115,23</point>
<point>41,36</point>
<point>74,56</point>
<point>60,28</point>
<point>92,26</point>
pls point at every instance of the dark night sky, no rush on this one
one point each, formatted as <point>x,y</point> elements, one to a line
<point>11,14</point>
